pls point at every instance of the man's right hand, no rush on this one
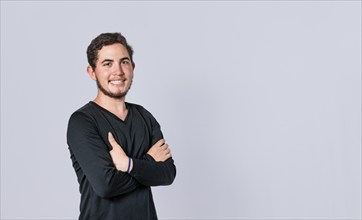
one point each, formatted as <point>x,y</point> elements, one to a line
<point>160,151</point>
<point>119,157</point>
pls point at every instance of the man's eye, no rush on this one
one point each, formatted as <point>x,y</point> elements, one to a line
<point>107,64</point>
<point>125,62</point>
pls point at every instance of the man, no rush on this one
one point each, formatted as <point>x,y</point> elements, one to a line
<point>117,148</point>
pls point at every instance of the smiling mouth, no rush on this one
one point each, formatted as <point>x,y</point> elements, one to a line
<point>117,82</point>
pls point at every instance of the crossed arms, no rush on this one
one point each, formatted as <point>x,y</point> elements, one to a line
<point>160,152</point>
<point>104,169</point>
<point>157,169</point>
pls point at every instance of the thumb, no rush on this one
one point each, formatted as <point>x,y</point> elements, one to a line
<point>111,138</point>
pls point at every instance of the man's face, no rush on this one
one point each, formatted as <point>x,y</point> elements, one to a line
<point>114,71</point>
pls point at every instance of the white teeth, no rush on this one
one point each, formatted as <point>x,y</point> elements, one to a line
<point>117,81</point>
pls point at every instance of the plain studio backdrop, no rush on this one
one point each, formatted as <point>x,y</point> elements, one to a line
<point>260,102</point>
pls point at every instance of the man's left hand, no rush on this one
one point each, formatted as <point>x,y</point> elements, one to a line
<point>119,157</point>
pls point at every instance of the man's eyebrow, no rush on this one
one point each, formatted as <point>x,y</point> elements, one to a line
<point>107,60</point>
<point>125,58</point>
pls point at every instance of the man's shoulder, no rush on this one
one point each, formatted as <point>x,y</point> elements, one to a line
<point>142,111</point>
<point>134,105</point>
<point>86,108</point>
<point>86,111</point>
<point>138,108</point>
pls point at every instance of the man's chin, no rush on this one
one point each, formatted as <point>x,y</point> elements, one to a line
<point>119,95</point>
<point>114,95</point>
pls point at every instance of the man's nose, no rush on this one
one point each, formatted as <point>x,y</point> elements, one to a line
<point>118,69</point>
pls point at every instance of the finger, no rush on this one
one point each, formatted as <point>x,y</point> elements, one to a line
<point>111,140</point>
<point>110,137</point>
<point>164,147</point>
<point>167,151</point>
<point>168,156</point>
<point>160,142</point>
<point>164,141</point>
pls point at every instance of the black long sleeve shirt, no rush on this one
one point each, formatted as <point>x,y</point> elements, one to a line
<point>106,193</point>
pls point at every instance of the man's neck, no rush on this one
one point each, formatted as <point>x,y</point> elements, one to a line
<point>114,105</point>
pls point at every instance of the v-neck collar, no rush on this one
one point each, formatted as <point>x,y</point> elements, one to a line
<point>113,115</point>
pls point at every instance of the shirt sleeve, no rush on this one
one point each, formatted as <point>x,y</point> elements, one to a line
<point>152,173</point>
<point>91,153</point>
<point>146,170</point>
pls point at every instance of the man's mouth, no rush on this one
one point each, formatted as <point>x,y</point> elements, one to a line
<point>118,81</point>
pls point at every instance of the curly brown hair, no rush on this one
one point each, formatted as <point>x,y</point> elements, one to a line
<point>106,39</point>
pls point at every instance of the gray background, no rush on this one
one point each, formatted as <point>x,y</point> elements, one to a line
<point>260,102</point>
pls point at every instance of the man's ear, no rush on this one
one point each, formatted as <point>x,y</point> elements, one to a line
<point>133,65</point>
<point>91,73</point>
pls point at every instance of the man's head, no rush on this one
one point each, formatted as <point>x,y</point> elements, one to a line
<point>106,39</point>
<point>111,65</point>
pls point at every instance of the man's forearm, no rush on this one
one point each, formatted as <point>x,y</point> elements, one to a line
<point>151,173</point>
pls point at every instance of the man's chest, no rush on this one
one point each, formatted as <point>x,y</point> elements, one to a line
<point>133,135</point>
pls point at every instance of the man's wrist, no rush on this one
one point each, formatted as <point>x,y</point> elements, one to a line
<point>129,164</point>
<point>122,164</point>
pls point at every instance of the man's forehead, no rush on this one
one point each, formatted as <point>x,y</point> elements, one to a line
<point>113,50</point>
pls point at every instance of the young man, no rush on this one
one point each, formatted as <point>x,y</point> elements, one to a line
<point>117,148</point>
